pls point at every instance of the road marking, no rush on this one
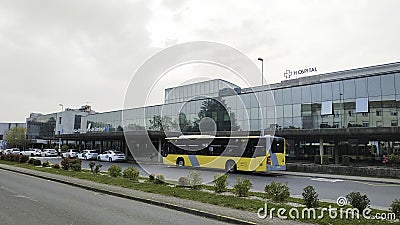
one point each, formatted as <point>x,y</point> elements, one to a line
<point>327,180</point>
<point>25,197</point>
<point>376,184</point>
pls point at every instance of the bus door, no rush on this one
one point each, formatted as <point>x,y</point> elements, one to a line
<point>276,155</point>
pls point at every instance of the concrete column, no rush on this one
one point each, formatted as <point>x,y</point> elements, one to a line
<point>101,146</point>
<point>321,148</point>
<point>124,147</point>
<point>159,158</point>
<point>336,152</point>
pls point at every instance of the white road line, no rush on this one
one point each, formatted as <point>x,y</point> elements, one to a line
<point>327,180</point>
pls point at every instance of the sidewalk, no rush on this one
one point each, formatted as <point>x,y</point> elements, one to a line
<point>342,177</point>
<point>189,206</point>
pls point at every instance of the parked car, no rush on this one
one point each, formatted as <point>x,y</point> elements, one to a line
<point>31,152</point>
<point>111,155</point>
<point>88,154</point>
<point>49,152</point>
<point>72,153</point>
<point>12,151</point>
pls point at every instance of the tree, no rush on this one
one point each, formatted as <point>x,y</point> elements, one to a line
<point>219,112</point>
<point>16,137</point>
<point>162,123</point>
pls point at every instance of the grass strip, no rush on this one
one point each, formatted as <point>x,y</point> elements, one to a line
<point>197,195</point>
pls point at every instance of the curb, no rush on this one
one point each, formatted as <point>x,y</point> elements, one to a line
<point>341,177</point>
<point>144,200</point>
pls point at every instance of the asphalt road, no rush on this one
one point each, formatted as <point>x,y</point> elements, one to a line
<point>381,195</point>
<point>29,200</point>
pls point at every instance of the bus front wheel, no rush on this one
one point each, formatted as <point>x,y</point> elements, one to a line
<point>180,162</point>
<point>230,166</point>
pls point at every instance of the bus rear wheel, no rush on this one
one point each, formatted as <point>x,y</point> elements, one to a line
<point>230,166</point>
<point>180,162</point>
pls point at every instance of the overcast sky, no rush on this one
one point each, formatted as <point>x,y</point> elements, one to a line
<point>75,52</point>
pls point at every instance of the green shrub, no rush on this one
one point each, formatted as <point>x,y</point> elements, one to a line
<point>56,166</point>
<point>183,181</point>
<point>277,192</point>
<point>7,157</point>
<point>64,148</point>
<point>242,187</point>
<point>152,177</point>
<point>393,160</point>
<point>97,168</point>
<point>46,164</point>
<point>325,159</point>
<point>346,160</point>
<point>76,165</point>
<point>114,170</point>
<point>195,179</point>
<point>65,163</point>
<point>358,201</point>
<point>220,182</point>
<point>92,165</point>
<point>131,173</point>
<point>310,197</point>
<point>37,162</point>
<point>23,158</point>
<point>30,161</point>
<point>15,158</point>
<point>395,207</point>
<point>159,179</point>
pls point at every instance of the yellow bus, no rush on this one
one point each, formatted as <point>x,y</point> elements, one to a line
<point>241,153</point>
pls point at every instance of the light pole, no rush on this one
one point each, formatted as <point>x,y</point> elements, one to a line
<point>262,85</point>
<point>59,140</point>
<point>341,114</point>
<point>262,71</point>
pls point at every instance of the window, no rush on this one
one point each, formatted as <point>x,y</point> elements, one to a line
<point>388,84</point>
<point>364,114</point>
<point>336,124</point>
<point>374,86</point>
<point>365,124</point>
<point>361,87</point>
<point>306,94</point>
<point>60,120</point>
<point>379,123</point>
<point>378,113</point>
<point>336,114</point>
<point>327,91</point>
<point>393,123</point>
<point>351,113</point>
<point>349,89</point>
<point>393,113</point>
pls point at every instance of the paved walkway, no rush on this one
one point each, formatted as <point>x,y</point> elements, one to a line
<point>191,206</point>
<point>343,177</point>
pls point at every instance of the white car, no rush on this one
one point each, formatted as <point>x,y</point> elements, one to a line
<point>12,151</point>
<point>111,156</point>
<point>32,152</point>
<point>49,152</point>
<point>72,153</point>
<point>88,154</point>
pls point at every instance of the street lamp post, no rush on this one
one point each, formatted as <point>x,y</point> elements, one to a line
<point>262,71</point>
<point>262,85</point>
<point>341,114</point>
<point>59,140</point>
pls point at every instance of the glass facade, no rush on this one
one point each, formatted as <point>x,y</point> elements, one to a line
<point>295,107</point>
<point>41,126</point>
